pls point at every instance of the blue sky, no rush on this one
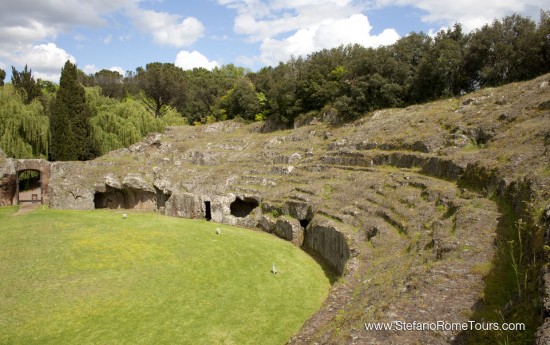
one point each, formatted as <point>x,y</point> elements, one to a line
<point>125,34</point>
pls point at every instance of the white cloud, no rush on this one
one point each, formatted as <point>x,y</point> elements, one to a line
<point>93,69</point>
<point>253,7</point>
<point>329,34</point>
<point>471,14</point>
<point>108,39</point>
<point>18,35</point>
<point>27,21</point>
<point>220,38</point>
<point>79,37</point>
<point>118,69</point>
<point>189,60</point>
<point>299,27</point>
<point>46,60</point>
<point>245,61</point>
<point>24,24</point>
<point>124,38</point>
<point>46,56</point>
<point>168,29</point>
<point>309,25</point>
<point>281,16</point>
<point>90,69</point>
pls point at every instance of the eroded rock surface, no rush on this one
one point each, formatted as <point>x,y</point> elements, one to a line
<point>396,202</point>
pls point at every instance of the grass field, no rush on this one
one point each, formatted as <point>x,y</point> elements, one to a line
<point>92,277</point>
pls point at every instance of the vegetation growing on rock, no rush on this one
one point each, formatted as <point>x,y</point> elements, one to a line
<point>336,85</point>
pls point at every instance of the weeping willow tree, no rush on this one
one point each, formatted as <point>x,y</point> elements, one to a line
<point>23,127</point>
<point>117,124</point>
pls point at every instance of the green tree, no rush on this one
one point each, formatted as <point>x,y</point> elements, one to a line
<point>241,101</point>
<point>543,37</point>
<point>282,89</point>
<point>204,90</point>
<point>440,71</point>
<point>25,83</point>
<point>506,51</point>
<point>110,82</point>
<point>2,77</point>
<point>23,127</point>
<point>71,132</point>
<point>121,123</point>
<point>162,85</point>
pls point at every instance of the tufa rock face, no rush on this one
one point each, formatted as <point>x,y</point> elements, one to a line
<point>323,237</point>
<point>290,230</point>
<point>546,293</point>
<point>267,223</point>
<point>7,180</point>
<point>7,189</point>
<point>184,205</point>
<point>394,202</point>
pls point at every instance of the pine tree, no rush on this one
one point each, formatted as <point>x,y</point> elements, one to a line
<point>71,132</point>
<point>25,83</point>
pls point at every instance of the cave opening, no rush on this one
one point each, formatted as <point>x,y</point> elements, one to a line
<point>304,223</point>
<point>243,207</point>
<point>131,198</point>
<point>112,198</point>
<point>162,197</point>
<point>207,211</point>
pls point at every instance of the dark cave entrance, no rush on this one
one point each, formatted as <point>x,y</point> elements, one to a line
<point>129,198</point>
<point>243,207</point>
<point>304,223</point>
<point>112,198</point>
<point>161,198</point>
<point>207,211</point>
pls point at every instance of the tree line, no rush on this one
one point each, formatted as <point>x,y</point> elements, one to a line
<point>88,115</point>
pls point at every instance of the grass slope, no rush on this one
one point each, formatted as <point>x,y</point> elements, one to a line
<point>73,277</point>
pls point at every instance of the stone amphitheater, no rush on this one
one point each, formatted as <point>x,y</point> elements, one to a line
<point>401,204</point>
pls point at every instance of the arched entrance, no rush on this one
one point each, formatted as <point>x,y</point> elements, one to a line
<point>29,186</point>
<point>31,181</point>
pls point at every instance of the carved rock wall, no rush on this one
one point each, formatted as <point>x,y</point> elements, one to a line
<point>323,237</point>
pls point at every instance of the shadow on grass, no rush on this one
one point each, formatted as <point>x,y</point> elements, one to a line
<point>328,269</point>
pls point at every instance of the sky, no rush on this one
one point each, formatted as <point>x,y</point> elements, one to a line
<point>122,35</point>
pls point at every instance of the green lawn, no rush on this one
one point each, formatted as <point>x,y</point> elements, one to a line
<point>92,277</point>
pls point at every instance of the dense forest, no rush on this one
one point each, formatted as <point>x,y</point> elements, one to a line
<point>88,115</point>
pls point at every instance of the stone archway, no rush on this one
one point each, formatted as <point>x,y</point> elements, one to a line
<point>37,165</point>
<point>29,186</point>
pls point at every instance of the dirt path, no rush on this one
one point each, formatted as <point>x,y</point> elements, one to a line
<point>26,208</point>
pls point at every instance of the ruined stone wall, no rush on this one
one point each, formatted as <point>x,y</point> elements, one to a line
<point>41,165</point>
